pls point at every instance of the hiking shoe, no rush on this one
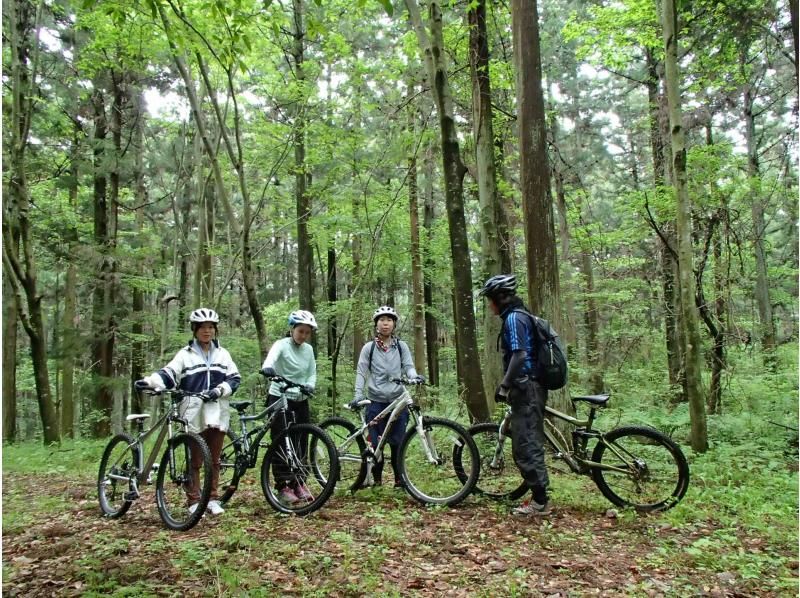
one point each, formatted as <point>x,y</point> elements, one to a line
<point>303,493</point>
<point>192,508</point>
<point>531,508</point>
<point>288,496</point>
<point>215,507</point>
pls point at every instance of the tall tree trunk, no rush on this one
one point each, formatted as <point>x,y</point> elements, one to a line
<point>23,27</point>
<point>68,322</point>
<point>102,332</point>
<point>492,219</point>
<point>305,252</point>
<point>431,326</point>
<point>692,347</point>
<point>203,286</point>
<point>433,55</point>
<point>140,193</point>
<point>659,147</point>
<point>333,332</point>
<point>794,21</point>
<point>766,332</point>
<point>537,204</point>
<point>418,298</point>
<point>10,322</point>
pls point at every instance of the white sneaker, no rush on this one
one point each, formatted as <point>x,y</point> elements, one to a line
<point>215,507</point>
<point>192,508</point>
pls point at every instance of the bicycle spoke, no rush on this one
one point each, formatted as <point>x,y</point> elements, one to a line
<point>450,477</point>
<point>184,482</point>
<point>119,460</point>
<point>499,477</point>
<point>649,472</point>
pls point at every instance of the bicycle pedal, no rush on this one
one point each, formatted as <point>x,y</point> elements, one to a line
<point>131,495</point>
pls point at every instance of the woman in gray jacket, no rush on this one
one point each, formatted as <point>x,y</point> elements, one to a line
<point>381,360</point>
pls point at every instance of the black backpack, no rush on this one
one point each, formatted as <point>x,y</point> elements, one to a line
<point>550,356</point>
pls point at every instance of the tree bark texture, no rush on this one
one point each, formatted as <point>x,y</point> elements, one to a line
<point>24,18</point>
<point>432,50</point>
<point>692,346</point>
<point>10,327</point>
<point>418,299</point>
<point>544,294</point>
<point>431,325</point>
<point>766,332</point>
<point>492,217</point>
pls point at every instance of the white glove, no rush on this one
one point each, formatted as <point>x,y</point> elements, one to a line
<point>155,382</point>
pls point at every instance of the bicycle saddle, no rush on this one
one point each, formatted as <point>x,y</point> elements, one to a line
<point>599,400</point>
<point>240,406</point>
<point>136,416</point>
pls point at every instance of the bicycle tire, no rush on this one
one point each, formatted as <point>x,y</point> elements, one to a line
<point>443,482</point>
<point>352,462</point>
<point>646,450</point>
<point>232,465</point>
<point>111,496</point>
<point>171,498</point>
<point>301,470</point>
<point>503,481</point>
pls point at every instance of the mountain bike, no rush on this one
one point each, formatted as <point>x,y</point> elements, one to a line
<point>288,452</point>
<point>632,466</point>
<point>438,460</point>
<point>185,467</point>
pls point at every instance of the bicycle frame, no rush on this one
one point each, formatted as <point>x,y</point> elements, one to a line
<point>574,457</point>
<point>268,415</point>
<point>393,409</point>
<point>144,468</point>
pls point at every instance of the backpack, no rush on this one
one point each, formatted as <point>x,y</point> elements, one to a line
<point>550,356</point>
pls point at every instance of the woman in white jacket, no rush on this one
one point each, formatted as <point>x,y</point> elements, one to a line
<point>202,367</point>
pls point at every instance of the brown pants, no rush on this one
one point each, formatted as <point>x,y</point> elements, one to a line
<point>214,438</point>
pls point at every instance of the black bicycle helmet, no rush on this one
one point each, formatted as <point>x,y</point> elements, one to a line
<point>501,284</point>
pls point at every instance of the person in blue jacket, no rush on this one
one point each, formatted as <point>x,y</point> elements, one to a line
<point>202,367</point>
<point>521,389</point>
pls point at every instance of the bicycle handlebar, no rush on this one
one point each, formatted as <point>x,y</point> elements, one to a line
<point>287,384</point>
<point>419,381</point>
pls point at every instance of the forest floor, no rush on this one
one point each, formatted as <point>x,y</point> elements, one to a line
<point>376,542</point>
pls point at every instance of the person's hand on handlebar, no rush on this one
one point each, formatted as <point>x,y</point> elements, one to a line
<point>269,372</point>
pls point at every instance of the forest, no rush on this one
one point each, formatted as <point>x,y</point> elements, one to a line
<point>634,163</point>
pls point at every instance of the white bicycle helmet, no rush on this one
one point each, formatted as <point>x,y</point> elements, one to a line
<point>204,314</point>
<point>498,285</point>
<point>302,316</point>
<point>385,310</point>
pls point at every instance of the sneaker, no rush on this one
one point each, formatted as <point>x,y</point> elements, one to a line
<point>215,507</point>
<point>192,508</point>
<point>303,493</point>
<point>288,496</point>
<point>531,508</point>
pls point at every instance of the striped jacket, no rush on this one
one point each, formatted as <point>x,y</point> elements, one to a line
<point>189,370</point>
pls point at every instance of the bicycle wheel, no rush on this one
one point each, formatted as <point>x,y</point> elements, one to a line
<point>499,477</point>
<point>650,471</point>
<point>453,473</point>
<point>287,463</point>
<point>352,461</point>
<point>232,465</point>
<point>118,467</point>
<point>184,479</point>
